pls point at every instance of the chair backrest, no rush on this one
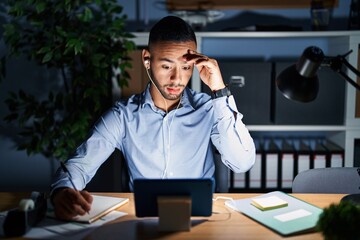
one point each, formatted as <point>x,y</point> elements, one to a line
<point>221,175</point>
<point>328,180</point>
<point>124,174</point>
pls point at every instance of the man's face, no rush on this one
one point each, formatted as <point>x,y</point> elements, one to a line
<point>168,68</point>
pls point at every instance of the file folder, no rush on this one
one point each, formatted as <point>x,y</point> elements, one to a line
<point>272,157</point>
<point>319,157</point>
<point>335,154</point>
<point>240,180</point>
<point>255,178</point>
<point>287,164</point>
<point>304,156</point>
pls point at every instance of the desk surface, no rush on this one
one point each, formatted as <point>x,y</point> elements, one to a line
<point>223,224</point>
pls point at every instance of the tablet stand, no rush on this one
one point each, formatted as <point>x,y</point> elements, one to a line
<point>174,213</point>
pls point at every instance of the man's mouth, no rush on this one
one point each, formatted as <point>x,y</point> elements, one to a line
<point>173,90</point>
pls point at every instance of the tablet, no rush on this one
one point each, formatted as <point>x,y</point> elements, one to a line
<point>146,192</point>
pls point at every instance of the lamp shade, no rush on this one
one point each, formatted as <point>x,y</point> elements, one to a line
<point>299,82</point>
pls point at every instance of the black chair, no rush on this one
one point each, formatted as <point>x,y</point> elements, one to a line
<point>221,175</point>
<point>328,180</point>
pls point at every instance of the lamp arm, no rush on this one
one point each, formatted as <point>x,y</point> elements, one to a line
<point>335,63</point>
<point>351,67</point>
<point>349,80</point>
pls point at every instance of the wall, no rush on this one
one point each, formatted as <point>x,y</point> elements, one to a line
<point>21,172</point>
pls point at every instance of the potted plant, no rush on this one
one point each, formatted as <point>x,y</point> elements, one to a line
<point>84,41</point>
<point>340,221</point>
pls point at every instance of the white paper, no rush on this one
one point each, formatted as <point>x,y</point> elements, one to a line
<point>50,228</point>
<point>292,215</point>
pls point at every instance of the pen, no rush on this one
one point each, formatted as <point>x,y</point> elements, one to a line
<point>69,176</point>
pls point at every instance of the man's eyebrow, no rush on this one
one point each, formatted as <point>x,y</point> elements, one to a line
<point>166,60</point>
<point>169,60</point>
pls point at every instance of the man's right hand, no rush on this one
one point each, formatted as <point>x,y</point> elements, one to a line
<point>69,203</point>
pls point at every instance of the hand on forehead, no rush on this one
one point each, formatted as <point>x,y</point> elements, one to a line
<point>194,56</point>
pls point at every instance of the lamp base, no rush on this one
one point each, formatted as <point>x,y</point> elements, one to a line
<point>354,198</point>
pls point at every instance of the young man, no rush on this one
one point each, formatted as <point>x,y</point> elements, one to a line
<point>167,130</point>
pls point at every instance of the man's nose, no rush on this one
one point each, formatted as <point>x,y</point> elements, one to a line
<point>176,75</point>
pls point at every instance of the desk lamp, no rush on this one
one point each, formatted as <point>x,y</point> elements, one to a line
<point>299,82</point>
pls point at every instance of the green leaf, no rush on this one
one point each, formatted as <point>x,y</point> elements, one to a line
<point>40,7</point>
<point>43,50</point>
<point>88,15</point>
<point>47,57</point>
<point>75,44</point>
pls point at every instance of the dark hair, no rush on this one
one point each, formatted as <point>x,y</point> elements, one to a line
<point>171,29</point>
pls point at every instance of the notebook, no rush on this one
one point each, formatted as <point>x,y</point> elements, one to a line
<point>100,206</point>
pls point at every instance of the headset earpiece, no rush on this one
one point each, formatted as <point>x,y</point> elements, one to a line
<point>147,63</point>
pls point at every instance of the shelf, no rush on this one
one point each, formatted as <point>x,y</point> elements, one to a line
<point>295,128</point>
<point>293,34</point>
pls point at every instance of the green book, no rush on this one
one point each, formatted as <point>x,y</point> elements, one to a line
<point>294,217</point>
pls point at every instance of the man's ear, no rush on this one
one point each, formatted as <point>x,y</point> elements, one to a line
<point>146,58</point>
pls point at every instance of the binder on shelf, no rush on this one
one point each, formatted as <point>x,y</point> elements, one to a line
<point>287,164</point>
<point>319,156</point>
<point>335,154</point>
<point>304,154</point>
<point>272,165</point>
<point>239,180</point>
<point>255,171</point>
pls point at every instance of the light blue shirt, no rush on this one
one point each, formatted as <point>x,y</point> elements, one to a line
<point>157,144</point>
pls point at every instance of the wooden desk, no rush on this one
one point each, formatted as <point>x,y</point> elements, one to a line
<point>223,224</point>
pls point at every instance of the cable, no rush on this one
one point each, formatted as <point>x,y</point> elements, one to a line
<point>167,147</point>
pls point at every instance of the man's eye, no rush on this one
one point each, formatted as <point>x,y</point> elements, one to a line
<point>187,67</point>
<point>165,67</point>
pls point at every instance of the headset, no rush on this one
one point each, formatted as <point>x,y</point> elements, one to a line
<point>167,158</point>
<point>147,63</point>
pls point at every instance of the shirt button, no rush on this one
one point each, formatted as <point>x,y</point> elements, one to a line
<point>171,174</point>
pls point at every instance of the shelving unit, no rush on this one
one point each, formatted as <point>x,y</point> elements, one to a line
<point>270,45</point>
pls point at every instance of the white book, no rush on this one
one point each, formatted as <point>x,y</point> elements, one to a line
<point>101,206</point>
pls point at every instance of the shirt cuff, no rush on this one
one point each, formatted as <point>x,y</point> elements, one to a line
<point>225,107</point>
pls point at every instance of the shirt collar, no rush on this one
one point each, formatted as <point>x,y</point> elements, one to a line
<point>186,100</point>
